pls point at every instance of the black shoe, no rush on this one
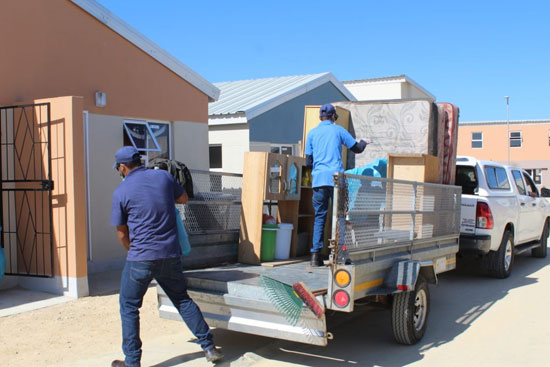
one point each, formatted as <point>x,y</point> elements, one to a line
<point>213,355</point>
<point>117,363</point>
<point>316,259</point>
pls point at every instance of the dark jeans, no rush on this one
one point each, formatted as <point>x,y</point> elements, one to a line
<point>320,200</point>
<point>136,277</point>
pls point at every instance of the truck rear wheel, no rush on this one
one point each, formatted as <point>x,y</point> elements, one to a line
<point>409,313</point>
<point>542,250</point>
<point>499,263</point>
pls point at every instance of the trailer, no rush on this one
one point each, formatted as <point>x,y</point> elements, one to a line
<point>389,240</point>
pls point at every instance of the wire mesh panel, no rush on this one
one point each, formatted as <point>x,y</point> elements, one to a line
<point>216,206</point>
<point>376,212</point>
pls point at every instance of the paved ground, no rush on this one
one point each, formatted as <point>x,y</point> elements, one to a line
<point>474,321</point>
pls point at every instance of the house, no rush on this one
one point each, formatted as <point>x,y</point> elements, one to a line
<point>387,88</point>
<point>77,84</point>
<point>523,143</point>
<point>265,115</point>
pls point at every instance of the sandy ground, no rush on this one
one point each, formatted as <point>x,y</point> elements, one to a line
<point>64,334</point>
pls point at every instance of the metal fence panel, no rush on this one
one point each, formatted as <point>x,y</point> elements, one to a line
<point>216,206</point>
<point>376,212</point>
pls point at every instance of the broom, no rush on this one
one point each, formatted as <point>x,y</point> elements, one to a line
<point>289,300</point>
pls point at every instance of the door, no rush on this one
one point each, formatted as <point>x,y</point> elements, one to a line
<point>533,203</point>
<point>26,190</point>
<point>525,209</point>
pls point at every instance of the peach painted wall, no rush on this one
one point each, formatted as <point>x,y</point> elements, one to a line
<point>535,144</point>
<point>68,196</point>
<point>54,48</point>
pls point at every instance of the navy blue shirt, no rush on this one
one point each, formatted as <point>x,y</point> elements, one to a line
<point>324,143</point>
<point>145,202</point>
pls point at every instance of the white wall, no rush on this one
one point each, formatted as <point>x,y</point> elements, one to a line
<point>234,140</point>
<point>375,91</point>
<point>190,144</point>
<point>410,91</point>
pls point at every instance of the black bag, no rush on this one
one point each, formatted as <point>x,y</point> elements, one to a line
<point>178,170</point>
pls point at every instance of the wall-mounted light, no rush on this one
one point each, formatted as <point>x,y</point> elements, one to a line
<point>100,99</point>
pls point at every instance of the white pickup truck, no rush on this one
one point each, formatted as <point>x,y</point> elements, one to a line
<point>502,214</point>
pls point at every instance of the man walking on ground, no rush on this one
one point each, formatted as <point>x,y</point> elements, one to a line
<point>324,154</point>
<point>143,212</point>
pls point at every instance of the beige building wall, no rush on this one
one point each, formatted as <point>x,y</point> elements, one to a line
<point>190,142</point>
<point>534,152</point>
<point>234,140</point>
<point>55,48</point>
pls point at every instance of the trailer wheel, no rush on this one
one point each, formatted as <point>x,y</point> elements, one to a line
<point>499,263</point>
<point>542,250</point>
<point>409,313</point>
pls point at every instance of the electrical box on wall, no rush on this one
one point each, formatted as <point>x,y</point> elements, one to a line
<point>100,99</point>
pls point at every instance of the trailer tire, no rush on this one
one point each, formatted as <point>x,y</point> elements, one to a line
<point>410,311</point>
<point>543,249</point>
<point>499,263</point>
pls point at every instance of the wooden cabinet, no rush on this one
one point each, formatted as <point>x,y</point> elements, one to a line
<point>272,177</point>
<point>413,167</point>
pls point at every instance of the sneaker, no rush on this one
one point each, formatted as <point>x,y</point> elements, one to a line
<point>213,355</point>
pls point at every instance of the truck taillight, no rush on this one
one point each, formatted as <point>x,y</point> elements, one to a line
<point>484,218</point>
<point>341,298</point>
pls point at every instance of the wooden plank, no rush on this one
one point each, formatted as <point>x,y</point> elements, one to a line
<point>250,236</point>
<point>413,167</point>
<point>286,262</point>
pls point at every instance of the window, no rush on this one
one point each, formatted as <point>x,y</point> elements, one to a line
<point>515,139</point>
<point>536,175</point>
<point>282,149</point>
<point>497,178</point>
<point>477,140</point>
<point>215,156</point>
<point>531,187</point>
<point>519,182</point>
<point>467,179</point>
<point>151,139</point>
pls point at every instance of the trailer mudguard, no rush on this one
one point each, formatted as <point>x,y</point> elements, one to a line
<point>404,274</point>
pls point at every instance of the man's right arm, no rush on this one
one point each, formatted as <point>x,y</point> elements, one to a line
<point>123,236</point>
<point>182,199</point>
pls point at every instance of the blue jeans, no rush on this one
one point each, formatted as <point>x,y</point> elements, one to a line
<point>136,277</point>
<point>320,200</point>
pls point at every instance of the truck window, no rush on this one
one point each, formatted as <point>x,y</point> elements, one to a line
<point>497,178</point>
<point>531,187</point>
<point>467,179</point>
<point>519,182</point>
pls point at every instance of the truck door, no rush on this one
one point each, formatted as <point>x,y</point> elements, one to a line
<point>523,226</point>
<point>534,208</point>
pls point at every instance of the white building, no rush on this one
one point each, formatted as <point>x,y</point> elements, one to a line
<point>387,88</point>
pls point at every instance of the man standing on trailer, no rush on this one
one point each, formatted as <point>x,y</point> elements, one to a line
<point>144,214</point>
<point>324,154</point>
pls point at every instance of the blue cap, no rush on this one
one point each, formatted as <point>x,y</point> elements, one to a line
<point>126,155</point>
<point>327,110</point>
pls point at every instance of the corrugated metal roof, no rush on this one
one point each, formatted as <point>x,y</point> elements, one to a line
<point>372,80</point>
<point>255,96</point>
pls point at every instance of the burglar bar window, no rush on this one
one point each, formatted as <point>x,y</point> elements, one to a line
<point>282,149</point>
<point>515,139</point>
<point>215,156</point>
<point>151,139</point>
<point>477,140</point>
<point>536,175</point>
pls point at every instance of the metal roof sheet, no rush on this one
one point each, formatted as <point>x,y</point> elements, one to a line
<point>255,96</point>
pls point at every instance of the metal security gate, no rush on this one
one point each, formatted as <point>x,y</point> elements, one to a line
<point>26,192</point>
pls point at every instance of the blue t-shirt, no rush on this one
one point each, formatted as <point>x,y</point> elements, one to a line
<point>145,202</point>
<point>324,143</point>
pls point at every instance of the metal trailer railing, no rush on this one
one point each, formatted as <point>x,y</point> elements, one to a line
<point>371,213</point>
<point>216,206</point>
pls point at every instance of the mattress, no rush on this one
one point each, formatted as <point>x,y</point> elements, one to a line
<point>447,154</point>
<point>393,127</point>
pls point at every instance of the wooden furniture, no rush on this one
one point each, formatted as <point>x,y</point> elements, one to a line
<point>268,176</point>
<point>413,167</point>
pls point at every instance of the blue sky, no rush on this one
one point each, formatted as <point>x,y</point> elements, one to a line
<point>470,53</point>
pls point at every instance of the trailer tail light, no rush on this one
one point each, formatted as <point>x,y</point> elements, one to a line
<point>342,278</point>
<point>341,298</point>
<point>484,217</point>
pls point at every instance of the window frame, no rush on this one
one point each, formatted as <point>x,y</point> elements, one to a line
<point>145,152</point>
<point>520,178</point>
<point>519,139</point>
<point>536,175</point>
<point>280,146</point>
<point>477,140</point>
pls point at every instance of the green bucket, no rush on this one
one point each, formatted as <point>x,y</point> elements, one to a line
<point>269,237</point>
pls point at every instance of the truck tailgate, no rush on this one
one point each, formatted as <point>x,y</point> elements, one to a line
<point>468,214</point>
<point>232,297</point>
